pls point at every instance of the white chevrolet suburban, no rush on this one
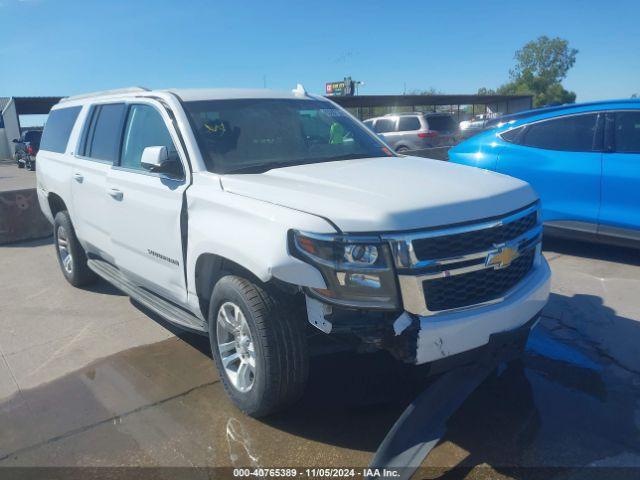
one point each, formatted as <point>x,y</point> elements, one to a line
<point>257,218</point>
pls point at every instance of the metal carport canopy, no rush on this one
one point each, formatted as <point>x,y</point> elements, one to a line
<point>411,100</point>
<point>35,105</point>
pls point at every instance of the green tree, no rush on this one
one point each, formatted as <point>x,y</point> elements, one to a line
<point>541,65</point>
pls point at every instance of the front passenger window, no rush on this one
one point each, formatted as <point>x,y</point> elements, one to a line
<point>145,128</point>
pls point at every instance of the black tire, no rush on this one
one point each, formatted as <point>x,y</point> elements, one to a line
<point>20,164</point>
<point>279,344</point>
<point>29,166</point>
<point>78,274</point>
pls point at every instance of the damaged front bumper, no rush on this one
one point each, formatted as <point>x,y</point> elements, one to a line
<point>424,339</point>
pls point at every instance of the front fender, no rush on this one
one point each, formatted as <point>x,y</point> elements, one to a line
<point>251,233</point>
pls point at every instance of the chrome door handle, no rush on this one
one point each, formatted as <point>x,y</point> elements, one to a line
<point>115,193</point>
<point>78,178</point>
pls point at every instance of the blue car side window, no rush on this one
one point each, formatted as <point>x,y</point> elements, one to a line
<point>572,133</point>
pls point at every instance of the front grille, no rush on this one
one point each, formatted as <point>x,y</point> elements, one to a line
<point>474,241</point>
<point>475,287</point>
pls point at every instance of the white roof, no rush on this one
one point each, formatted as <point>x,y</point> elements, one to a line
<point>194,94</point>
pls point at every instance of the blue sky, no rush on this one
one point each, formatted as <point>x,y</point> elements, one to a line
<point>63,47</point>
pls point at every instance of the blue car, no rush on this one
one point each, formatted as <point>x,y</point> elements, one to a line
<point>582,159</point>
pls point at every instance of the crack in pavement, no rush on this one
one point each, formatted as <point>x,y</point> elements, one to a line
<point>592,344</point>
<point>113,418</point>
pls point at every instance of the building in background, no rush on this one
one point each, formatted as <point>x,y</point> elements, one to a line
<point>10,110</point>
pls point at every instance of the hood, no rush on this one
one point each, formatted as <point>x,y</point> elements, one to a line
<point>386,193</point>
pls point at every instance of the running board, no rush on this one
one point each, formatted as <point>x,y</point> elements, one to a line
<point>165,309</point>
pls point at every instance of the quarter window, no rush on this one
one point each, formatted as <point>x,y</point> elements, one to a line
<point>384,125</point>
<point>145,128</point>
<point>574,133</point>
<point>408,124</point>
<point>102,141</point>
<point>627,132</point>
<point>512,136</point>
<point>58,129</point>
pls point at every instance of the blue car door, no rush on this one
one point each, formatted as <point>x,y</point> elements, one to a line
<point>620,211</point>
<point>562,160</point>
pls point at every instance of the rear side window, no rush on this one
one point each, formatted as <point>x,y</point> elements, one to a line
<point>102,137</point>
<point>408,124</point>
<point>574,133</point>
<point>58,129</point>
<point>627,132</point>
<point>442,123</point>
<point>368,124</point>
<point>145,128</point>
<point>384,125</point>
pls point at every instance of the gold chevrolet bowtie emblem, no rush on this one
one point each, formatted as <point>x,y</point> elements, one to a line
<point>502,257</point>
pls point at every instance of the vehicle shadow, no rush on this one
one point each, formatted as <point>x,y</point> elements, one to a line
<point>566,406</point>
<point>592,250</point>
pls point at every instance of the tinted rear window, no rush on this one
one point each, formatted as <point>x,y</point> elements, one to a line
<point>627,132</point>
<point>105,130</point>
<point>58,128</point>
<point>32,136</point>
<point>575,133</point>
<point>442,123</point>
<point>385,125</point>
<point>408,124</point>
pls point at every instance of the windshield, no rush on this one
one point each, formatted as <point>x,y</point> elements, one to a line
<point>443,123</point>
<point>256,135</point>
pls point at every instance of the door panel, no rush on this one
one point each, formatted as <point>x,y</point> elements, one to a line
<point>96,153</point>
<point>144,219</point>
<point>621,174</point>
<point>144,207</point>
<point>88,185</point>
<point>568,183</point>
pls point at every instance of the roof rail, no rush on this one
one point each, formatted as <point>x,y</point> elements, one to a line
<point>105,93</point>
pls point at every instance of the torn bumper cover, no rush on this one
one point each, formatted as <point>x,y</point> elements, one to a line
<point>447,334</point>
<point>416,339</point>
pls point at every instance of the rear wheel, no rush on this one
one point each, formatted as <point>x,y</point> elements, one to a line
<point>402,149</point>
<point>258,347</point>
<point>71,256</point>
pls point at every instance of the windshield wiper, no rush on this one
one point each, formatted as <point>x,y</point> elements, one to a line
<point>270,166</point>
<point>264,167</point>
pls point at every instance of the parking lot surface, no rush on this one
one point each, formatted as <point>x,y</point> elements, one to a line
<point>89,379</point>
<point>14,178</point>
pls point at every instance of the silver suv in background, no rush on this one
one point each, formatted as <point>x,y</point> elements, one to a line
<point>416,130</point>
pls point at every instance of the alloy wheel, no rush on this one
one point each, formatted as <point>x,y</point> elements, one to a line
<point>63,250</point>
<point>236,347</point>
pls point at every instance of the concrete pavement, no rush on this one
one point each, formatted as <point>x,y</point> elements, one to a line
<point>87,378</point>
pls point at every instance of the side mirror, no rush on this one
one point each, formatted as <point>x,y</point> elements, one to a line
<point>154,158</point>
<point>157,159</point>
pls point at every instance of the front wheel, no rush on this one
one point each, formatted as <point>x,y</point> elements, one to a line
<point>258,347</point>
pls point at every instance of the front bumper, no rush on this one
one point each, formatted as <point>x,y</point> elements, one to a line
<point>443,335</point>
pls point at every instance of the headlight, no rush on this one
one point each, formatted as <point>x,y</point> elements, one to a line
<point>358,270</point>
